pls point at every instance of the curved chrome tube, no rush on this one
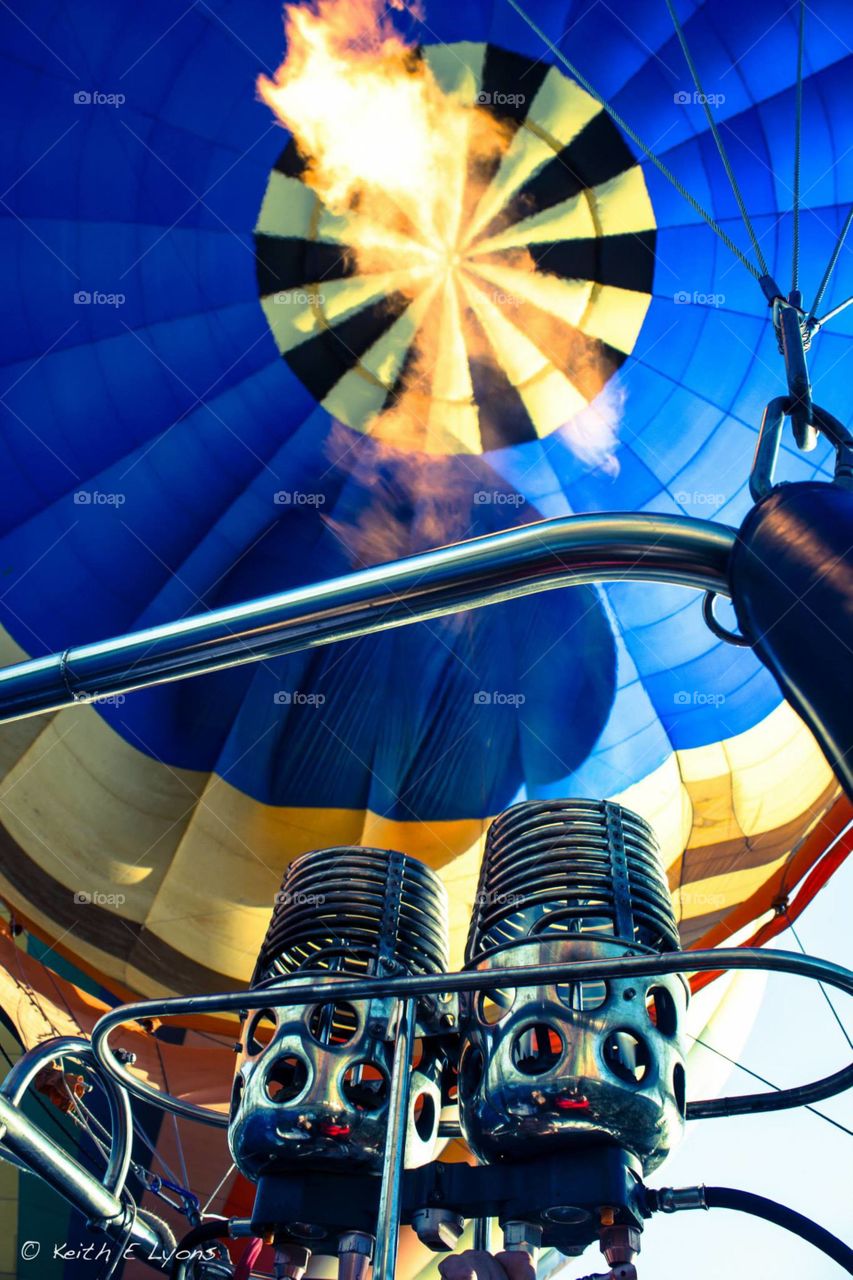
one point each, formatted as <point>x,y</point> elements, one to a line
<point>308,990</point>
<point>104,1211</point>
<point>466,575</point>
<point>28,1066</point>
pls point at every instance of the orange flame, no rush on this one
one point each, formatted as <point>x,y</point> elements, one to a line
<point>406,163</point>
<point>381,138</point>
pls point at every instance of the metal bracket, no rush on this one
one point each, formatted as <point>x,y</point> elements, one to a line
<point>556,1197</point>
<point>716,627</point>
<point>794,338</point>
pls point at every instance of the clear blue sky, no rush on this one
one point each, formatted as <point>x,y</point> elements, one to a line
<point>792,1156</point>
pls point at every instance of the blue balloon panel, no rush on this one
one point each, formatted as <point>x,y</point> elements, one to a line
<point>151,424</point>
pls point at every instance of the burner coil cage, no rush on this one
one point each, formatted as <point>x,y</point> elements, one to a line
<point>553,869</point>
<point>571,1063</point>
<point>313,1083</point>
<point>356,911</point>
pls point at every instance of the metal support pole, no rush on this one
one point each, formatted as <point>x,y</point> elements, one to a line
<point>75,1184</point>
<point>483,1235</point>
<point>388,1221</point>
<point>467,575</point>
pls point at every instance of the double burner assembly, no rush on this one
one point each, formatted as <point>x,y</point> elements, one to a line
<point>568,1091</point>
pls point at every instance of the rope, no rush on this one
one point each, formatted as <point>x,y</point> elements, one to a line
<point>180,1146</point>
<point>721,147</point>
<point>148,1179</point>
<point>81,1114</point>
<point>638,142</point>
<point>49,1110</point>
<point>30,993</point>
<point>86,1119</point>
<point>139,1132</point>
<point>798,137</point>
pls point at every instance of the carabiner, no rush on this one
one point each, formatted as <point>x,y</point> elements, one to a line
<point>770,437</point>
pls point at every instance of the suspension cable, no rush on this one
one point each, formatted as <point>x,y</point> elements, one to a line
<point>798,138</point>
<point>53,1113</point>
<point>146,1177</point>
<point>215,1192</point>
<point>836,1015</point>
<point>721,146</point>
<point>763,1080</point>
<point>180,1147</point>
<point>148,1180</point>
<point>827,275</point>
<point>638,141</point>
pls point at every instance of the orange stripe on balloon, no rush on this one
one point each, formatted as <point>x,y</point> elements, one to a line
<point>814,859</point>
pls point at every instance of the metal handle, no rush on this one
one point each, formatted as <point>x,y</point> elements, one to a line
<point>54,1166</point>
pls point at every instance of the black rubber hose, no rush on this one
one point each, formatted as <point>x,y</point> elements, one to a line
<point>782,1216</point>
<point>212,1229</point>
